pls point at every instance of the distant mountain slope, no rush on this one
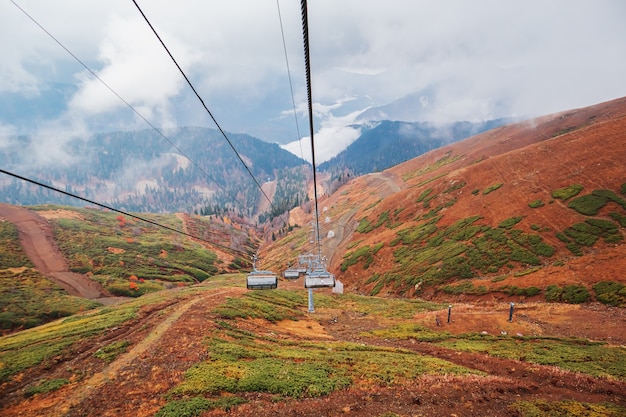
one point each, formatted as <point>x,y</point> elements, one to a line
<point>142,171</point>
<point>390,143</point>
<point>532,209</point>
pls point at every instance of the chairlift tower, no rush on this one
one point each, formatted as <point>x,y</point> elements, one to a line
<point>259,279</point>
<point>316,275</point>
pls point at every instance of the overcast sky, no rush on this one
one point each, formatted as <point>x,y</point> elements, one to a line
<point>464,60</point>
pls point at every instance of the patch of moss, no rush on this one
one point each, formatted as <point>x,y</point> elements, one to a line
<point>611,293</point>
<point>567,192</point>
<point>45,386</point>
<point>572,294</point>
<point>492,188</point>
<point>195,406</point>
<point>510,222</point>
<point>567,408</point>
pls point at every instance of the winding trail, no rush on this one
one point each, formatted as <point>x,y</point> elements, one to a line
<point>91,386</point>
<point>37,240</point>
<point>385,184</point>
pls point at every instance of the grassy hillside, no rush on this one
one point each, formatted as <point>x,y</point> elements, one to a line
<point>529,211</point>
<point>28,299</point>
<point>128,257</point>
<point>431,252</point>
<point>215,346</point>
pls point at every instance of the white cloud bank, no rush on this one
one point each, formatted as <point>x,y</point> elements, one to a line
<point>481,59</point>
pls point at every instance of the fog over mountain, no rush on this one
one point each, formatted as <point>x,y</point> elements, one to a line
<point>408,61</point>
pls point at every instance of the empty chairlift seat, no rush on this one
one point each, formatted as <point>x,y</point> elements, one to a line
<point>291,273</point>
<point>319,278</point>
<point>261,280</point>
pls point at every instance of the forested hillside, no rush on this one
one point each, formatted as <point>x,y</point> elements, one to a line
<point>187,169</point>
<point>390,143</point>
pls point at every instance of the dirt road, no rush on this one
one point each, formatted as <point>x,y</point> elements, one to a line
<point>38,244</point>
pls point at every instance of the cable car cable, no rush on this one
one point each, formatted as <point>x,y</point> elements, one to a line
<point>293,100</point>
<point>49,187</point>
<point>307,63</point>
<point>203,104</point>
<point>130,106</point>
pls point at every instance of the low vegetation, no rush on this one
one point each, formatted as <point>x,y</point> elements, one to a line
<point>126,248</point>
<point>567,192</point>
<point>195,406</point>
<point>27,299</point>
<point>492,188</point>
<point>28,348</point>
<point>611,293</point>
<point>443,161</point>
<point>567,408</point>
<point>430,253</point>
<point>572,294</point>
<point>578,355</point>
<point>45,386</point>
<point>242,361</point>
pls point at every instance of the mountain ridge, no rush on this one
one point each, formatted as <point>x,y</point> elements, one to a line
<point>499,176</point>
<point>492,265</point>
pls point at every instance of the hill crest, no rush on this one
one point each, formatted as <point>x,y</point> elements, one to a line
<point>496,185</point>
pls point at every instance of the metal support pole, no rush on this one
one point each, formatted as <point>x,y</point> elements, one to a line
<point>511,312</point>
<point>311,306</point>
<point>449,312</point>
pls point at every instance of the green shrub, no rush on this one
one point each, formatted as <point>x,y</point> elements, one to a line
<point>365,226</point>
<point>378,287</point>
<point>575,294</point>
<point>454,187</point>
<point>382,219</point>
<point>553,293</point>
<point>464,288</point>
<point>567,192</point>
<point>589,204</point>
<point>562,237</point>
<point>614,238</point>
<point>610,196</point>
<point>618,218</point>
<point>510,222</point>
<point>192,407</point>
<point>581,235</point>
<point>363,253</point>
<point>605,225</point>
<point>46,386</point>
<point>572,294</point>
<point>111,351</point>
<point>536,204</point>
<point>574,248</point>
<point>424,194</point>
<point>492,188</point>
<point>611,293</point>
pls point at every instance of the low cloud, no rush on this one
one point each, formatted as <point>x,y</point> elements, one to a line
<point>136,68</point>
<point>334,134</point>
<point>497,60</point>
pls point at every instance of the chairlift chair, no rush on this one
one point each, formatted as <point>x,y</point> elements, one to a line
<point>261,280</point>
<point>291,273</point>
<point>319,278</point>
